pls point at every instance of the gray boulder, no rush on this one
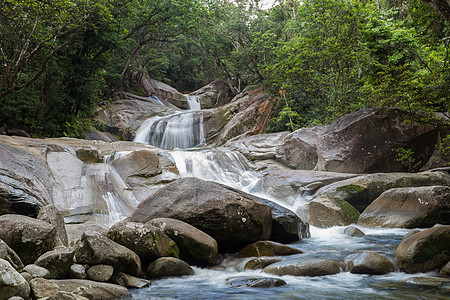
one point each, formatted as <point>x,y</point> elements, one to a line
<point>28,237</point>
<point>93,290</point>
<point>424,251</point>
<point>416,207</point>
<point>129,281</point>
<point>258,147</point>
<point>57,261</point>
<point>368,263</point>
<point>77,271</point>
<point>353,231</point>
<point>11,283</point>
<point>194,244</point>
<point>267,248</point>
<point>37,271</point>
<point>229,217</point>
<point>10,256</point>
<point>259,282</point>
<point>260,262</point>
<point>67,296</point>
<point>95,248</point>
<point>101,273</point>
<point>304,268</point>
<point>42,288</point>
<point>326,211</point>
<point>168,266</point>
<point>146,240</point>
<point>51,215</point>
<point>213,94</point>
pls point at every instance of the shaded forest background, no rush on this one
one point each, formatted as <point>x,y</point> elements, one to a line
<point>319,58</point>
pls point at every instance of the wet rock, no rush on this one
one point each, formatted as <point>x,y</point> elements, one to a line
<point>325,211</point>
<point>298,150</point>
<point>101,273</point>
<point>169,266</point>
<point>165,92</point>
<point>260,282</point>
<point>258,147</point>
<point>57,261</point>
<point>194,244</point>
<point>37,271</point>
<point>28,237</point>
<point>304,268</point>
<point>260,262</point>
<point>445,271</point>
<point>51,215</point>
<point>93,290</point>
<point>213,94</point>
<point>129,281</point>
<point>424,251</point>
<point>11,283</point>
<point>146,240</point>
<point>229,217</point>
<point>368,263</point>
<point>425,281</point>
<point>360,191</point>
<point>42,288</point>
<point>414,207</point>
<point>94,249</point>
<point>10,256</point>
<point>267,248</point>
<point>353,231</point>
<point>77,271</point>
<point>67,296</point>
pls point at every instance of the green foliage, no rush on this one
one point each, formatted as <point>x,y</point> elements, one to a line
<point>445,149</point>
<point>405,157</point>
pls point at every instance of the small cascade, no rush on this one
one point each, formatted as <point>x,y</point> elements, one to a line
<point>193,102</point>
<point>155,99</point>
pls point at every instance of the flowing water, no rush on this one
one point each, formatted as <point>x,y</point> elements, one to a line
<point>232,169</point>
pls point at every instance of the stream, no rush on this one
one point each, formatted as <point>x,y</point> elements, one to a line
<point>184,130</point>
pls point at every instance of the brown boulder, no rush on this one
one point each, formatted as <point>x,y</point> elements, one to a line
<point>369,263</point>
<point>267,248</point>
<point>169,266</point>
<point>304,268</point>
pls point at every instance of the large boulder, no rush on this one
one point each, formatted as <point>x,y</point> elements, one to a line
<point>418,207</point>
<point>57,261</point>
<point>213,94</point>
<point>326,211</point>
<point>360,191</point>
<point>304,268</point>
<point>95,248</point>
<point>424,251</point>
<point>11,282</point>
<point>42,288</point>
<point>28,237</point>
<point>368,263</point>
<point>298,150</point>
<point>146,240</point>
<point>229,217</point>
<point>267,248</point>
<point>164,92</point>
<point>51,215</point>
<point>93,290</point>
<point>258,147</point>
<point>194,244</point>
<point>258,282</point>
<point>169,266</point>
<point>10,256</point>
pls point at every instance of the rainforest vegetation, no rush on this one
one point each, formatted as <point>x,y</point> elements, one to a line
<point>319,58</point>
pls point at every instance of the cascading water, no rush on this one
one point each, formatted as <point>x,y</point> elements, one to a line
<point>193,102</point>
<point>182,130</point>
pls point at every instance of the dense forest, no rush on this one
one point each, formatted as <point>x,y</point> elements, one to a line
<point>319,58</point>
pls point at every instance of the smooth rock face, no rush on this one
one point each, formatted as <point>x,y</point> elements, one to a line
<point>366,142</point>
<point>260,262</point>
<point>255,282</point>
<point>369,263</point>
<point>194,244</point>
<point>67,296</point>
<point>51,215</point>
<point>169,266</point>
<point>37,271</point>
<point>11,283</point>
<point>326,211</point>
<point>101,273</point>
<point>258,147</point>
<point>267,248</point>
<point>57,261</point>
<point>146,240</point>
<point>10,256</point>
<point>212,94</point>
<point>229,217</point>
<point>298,150</point>
<point>129,281</point>
<point>353,231</point>
<point>424,251</point>
<point>42,288</point>
<point>28,237</point>
<point>308,268</point>
<point>93,290</point>
<point>418,207</point>
<point>94,249</point>
<point>77,271</point>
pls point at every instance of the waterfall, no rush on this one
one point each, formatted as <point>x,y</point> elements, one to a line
<point>181,130</point>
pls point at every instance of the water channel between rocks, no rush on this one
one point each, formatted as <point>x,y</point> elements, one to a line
<point>185,130</point>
